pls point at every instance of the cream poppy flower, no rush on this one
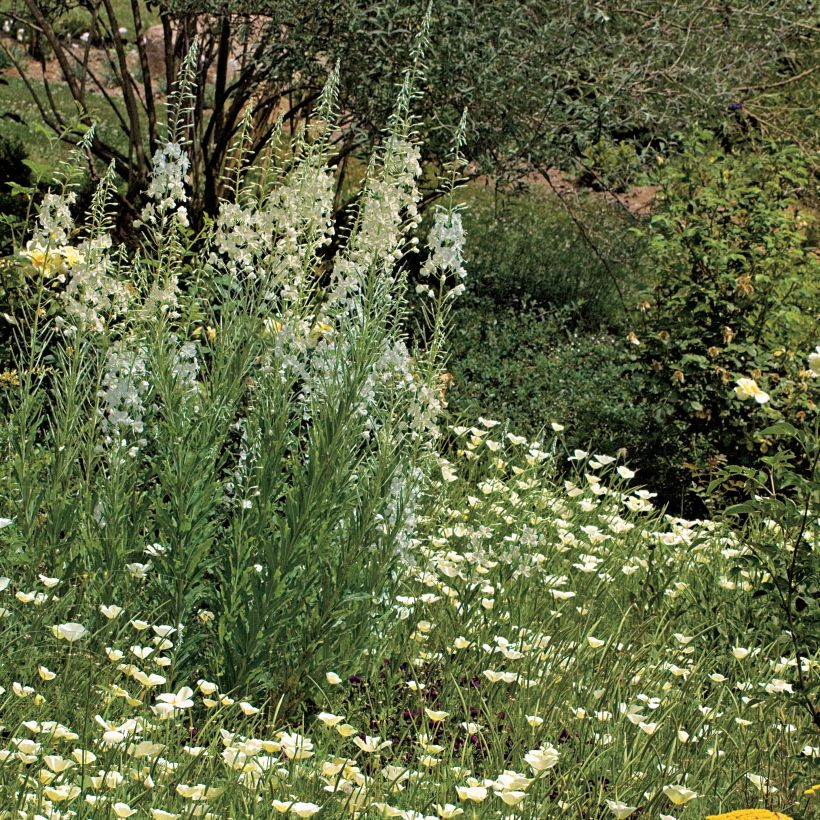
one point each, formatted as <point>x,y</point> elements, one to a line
<point>679,795</point>
<point>48,582</point>
<point>330,720</point>
<point>620,810</point>
<point>70,631</point>
<point>206,687</point>
<point>814,361</point>
<point>178,700</point>
<point>542,759</point>
<point>110,611</point>
<point>511,798</point>
<point>58,764</point>
<point>59,794</point>
<point>371,744</point>
<point>475,793</point>
<point>301,809</point>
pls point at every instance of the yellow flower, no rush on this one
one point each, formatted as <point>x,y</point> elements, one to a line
<point>71,256</point>
<point>271,327</point>
<point>749,814</point>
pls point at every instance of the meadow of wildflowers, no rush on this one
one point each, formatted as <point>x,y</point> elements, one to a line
<point>247,571</point>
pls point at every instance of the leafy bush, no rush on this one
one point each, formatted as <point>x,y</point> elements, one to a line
<point>542,80</point>
<point>776,520</point>
<point>15,191</point>
<point>731,287</point>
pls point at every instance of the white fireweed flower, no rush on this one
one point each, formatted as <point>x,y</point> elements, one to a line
<point>446,243</point>
<point>124,385</point>
<point>389,202</point>
<point>54,220</point>
<point>169,175</point>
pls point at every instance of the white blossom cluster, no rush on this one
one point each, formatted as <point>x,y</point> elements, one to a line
<point>92,295</point>
<point>186,366</point>
<point>446,244</point>
<point>124,386</point>
<point>301,211</point>
<point>389,208</point>
<point>54,220</point>
<point>274,243</point>
<point>166,190</point>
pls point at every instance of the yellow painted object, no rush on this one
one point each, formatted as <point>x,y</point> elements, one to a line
<point>749,814</point>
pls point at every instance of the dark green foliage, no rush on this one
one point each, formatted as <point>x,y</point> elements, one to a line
<point>543,82</point>
<point>529,368</point>
<point>528,251</point>
<point>15,179</point>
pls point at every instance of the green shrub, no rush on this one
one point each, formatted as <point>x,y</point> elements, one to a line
<point>15,179</point>
<point>530,368</point>
<point>738,293</point>
<point>734,293</point>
